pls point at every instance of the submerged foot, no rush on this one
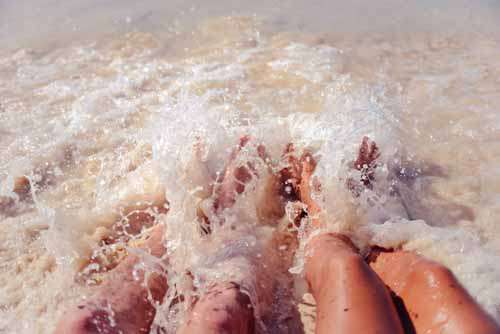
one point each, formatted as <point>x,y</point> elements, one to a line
<point>366,163</point>
<point>289,176</point>
<point>232,183</point>
<point>307,186</point>
<point>281,187</point>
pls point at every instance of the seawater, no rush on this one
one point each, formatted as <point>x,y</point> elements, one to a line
<point>96,121</point>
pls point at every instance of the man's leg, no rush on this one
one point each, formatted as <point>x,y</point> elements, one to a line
<point>223,309</point>
<point>121,304</point>
<point>434,300</point>
<point>350,298</point>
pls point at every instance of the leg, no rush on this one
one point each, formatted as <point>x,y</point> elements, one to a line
<point>120,304</point>
<point>435,301</point>
<point>223,309</point>
<point>350,297</point>
<point>279,187</point>
<point>306,187</point>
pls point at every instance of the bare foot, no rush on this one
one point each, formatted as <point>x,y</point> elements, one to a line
<point>350,297</point>
<point>22,188</point>
<point>131,219</point>
<point>366,163</point>
<point>281,187</point>
<point>289,177</point>
<point>233,180</point>
<point>306,188</point>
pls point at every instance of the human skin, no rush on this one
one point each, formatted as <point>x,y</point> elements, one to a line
<point>122,303</point>
<point>434,299</point>
<point>350,297</point>
<point>223,309</point>
<point>345,288</point>
<point>431,300</point>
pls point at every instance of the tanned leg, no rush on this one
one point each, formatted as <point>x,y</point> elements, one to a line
<point>350,297</point>
<point>430,297</point>
<point>122,303</point>
<point>434,300</point>
<point>224,308</point>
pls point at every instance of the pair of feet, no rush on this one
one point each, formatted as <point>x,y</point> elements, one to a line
<point>123,303</point>
<point>227,309</point>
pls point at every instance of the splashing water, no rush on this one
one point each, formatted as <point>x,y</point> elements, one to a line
<point>92,124</point>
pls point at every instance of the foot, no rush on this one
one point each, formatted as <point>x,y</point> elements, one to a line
<point>233,180</point>
<point>22,188</point>
<point>290,176</point>
<point>307,186</point>
<point>140,213</point>
<point>366,163</point>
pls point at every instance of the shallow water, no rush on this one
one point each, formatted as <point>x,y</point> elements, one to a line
<point>112,115</point>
